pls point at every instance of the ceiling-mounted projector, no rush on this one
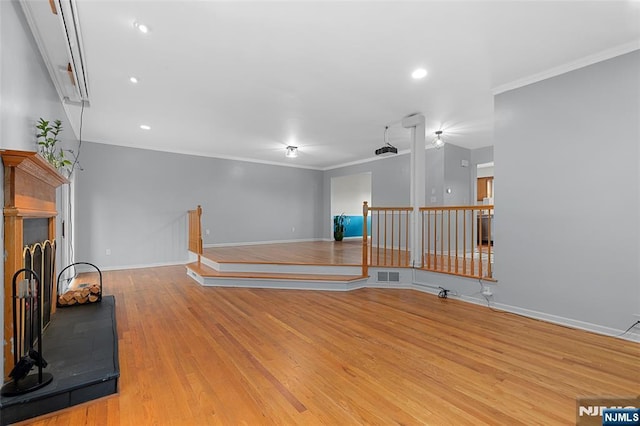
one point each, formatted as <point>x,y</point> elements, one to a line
<point>387,150</point>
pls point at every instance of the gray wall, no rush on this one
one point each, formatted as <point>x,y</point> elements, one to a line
<point>390,184</point>
<point>434,175</point>
<point>26,93</point>
<point>390,179</point>
<point>567,174</point>
<point>457,177</point>
<point>134,203</point>
<point>481,156</point>
<point>26,88</point>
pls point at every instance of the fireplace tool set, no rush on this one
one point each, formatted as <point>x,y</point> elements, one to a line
<point>27,325</point>
<point>27,331</point>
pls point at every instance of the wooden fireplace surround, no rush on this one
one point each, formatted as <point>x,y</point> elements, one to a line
<point>30,184</point>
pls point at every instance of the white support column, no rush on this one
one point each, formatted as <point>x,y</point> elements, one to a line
<point>418,176</point>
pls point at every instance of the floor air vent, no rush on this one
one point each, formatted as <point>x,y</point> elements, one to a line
<point>385,276</point>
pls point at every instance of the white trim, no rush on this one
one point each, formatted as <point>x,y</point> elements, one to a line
<point>142,265</point>
<point>243,159</point>
<point>255,243</point>
<point>571,66</point>
<point>356,237</point>
<point>633,336</point>
<point>208,155</point>
<point>273,283</point>
<point>370,159</point>
<point>283,268</point>
<point>568,322</point>
<point>366,160</point>
<point>287,268</point>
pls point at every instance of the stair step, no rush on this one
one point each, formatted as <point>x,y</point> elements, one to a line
<point>208,272</point>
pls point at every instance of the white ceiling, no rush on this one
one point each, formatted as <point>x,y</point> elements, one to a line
<point>239,79</point>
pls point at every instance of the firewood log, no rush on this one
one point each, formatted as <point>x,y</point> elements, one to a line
<point>93,298</point>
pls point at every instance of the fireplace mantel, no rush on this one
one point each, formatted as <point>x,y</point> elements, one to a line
<point>30,184</point>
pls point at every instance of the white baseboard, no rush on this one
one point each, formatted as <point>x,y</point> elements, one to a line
<point>569,322</point>
<point>632,335</point>
<point>277,284</point>
<point>255,243</point>
<point>138,266</point>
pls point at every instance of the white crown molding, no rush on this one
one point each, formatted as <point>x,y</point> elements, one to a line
<point>366,160</point>
<point>207,155</point>
<point>377,158</point>
<point>571,66</point>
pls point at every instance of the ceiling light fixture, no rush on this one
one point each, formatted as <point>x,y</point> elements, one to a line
<point>292,152</point>
<point>145,127</point>
<point>141,27</point>
<point>419,73</point>
<point>133,80</point>
<point>438,142</point>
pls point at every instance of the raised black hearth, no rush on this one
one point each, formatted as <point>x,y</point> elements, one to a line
<point>81,347</point>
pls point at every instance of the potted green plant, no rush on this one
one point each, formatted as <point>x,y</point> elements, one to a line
<point>338,227</point>
<point>47,140</point>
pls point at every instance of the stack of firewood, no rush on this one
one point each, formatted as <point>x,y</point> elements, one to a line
<point>80,296</point>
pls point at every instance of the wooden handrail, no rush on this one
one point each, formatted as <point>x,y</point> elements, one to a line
<point>478,207</point>
<point>407,209</point>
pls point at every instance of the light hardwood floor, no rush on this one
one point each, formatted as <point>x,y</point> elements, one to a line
<point>347,252</point>
<point>191,355</point>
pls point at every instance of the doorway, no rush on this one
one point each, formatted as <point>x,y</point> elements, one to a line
<point>347,195</point>
<point>484,184</point>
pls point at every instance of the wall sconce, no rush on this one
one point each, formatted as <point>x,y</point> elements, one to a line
<point>292,152</point>
<point>438,142</point>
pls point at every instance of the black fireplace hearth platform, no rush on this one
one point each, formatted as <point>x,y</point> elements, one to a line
<point>81,346</point>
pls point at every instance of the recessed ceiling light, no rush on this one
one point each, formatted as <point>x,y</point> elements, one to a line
<point>419,73</point>
<point>141,27</point>
<point>133,80</point>
<point>145,127</point>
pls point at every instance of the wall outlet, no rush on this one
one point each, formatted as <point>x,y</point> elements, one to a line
<point>107,252</point>
<point>487,291</point>
<point>207,232</point>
